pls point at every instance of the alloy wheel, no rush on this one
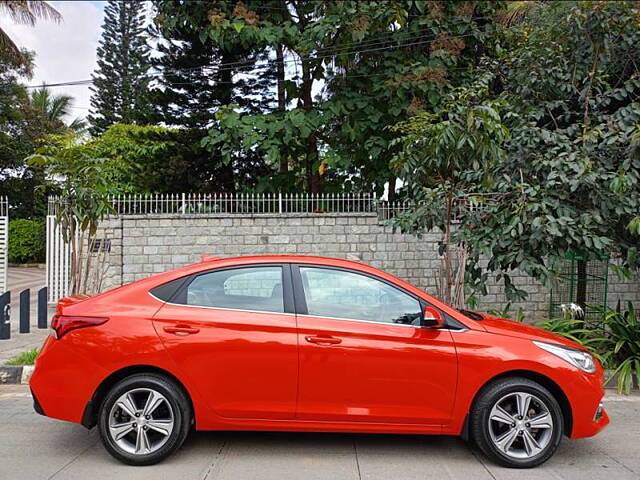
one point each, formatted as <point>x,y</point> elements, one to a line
<point>141,421</point>
<point>520,425</point>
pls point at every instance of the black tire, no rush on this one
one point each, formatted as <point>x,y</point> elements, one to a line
<point>479,425</point>
<point>180,409</point>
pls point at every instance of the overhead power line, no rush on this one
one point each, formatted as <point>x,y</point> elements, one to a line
<point>251,65</point>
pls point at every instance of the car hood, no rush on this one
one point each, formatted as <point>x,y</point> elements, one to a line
<point>511,328</point>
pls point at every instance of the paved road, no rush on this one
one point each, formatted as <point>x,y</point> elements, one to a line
<point>19,279</point>
<point>34,447</point>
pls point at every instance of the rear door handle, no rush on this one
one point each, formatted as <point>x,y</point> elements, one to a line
<point>181,330</point>
<point>322,340</point>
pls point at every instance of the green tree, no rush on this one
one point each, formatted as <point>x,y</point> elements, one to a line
<point>85,182</point>
<point>445,155</point>
<point>293,31</point>
<point>570,183</point>
<point>52,109</point>
<point>120,82</point>
<point>191,87</point>
<point>413,54</point>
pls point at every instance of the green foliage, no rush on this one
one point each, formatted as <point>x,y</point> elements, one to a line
<point>445,155</point>
<point>616,342</point>
<point>570,182</point>
<point>120,83</point>
<point>27,241</point>
<point>87,181</point>
<point>505,312</point>
<point>385,86</point>
<point>191,87</point>
<point>24,358</point>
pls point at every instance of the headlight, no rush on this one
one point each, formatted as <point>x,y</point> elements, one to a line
<point>577,358</point>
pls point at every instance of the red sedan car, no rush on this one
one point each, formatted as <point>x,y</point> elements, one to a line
<point>298,343</point>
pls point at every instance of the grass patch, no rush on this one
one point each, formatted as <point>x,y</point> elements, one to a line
<point>24,358</point>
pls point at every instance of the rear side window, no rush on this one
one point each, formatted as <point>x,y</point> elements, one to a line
<point>167,291</point>
<point>246,288</point>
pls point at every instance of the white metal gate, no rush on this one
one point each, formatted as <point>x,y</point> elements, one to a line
<point>4,242</point>
<point>58,262</point>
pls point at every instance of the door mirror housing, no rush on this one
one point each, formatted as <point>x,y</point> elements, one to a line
<point>432,318</point>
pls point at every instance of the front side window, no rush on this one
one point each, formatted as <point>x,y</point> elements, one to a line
<point>247,288</point>
<point>342,294</point>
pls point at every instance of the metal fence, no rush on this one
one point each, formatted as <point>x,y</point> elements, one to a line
<point>464,205</point>
<point>58,261</point>
<point>4,242</point>
<point>249,204</point>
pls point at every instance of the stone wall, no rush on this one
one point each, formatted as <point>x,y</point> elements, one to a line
<point>145,244</point>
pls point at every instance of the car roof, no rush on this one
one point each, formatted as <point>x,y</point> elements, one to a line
<point>282,258</point>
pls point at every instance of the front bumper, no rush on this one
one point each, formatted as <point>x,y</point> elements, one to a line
<point>599,420</point>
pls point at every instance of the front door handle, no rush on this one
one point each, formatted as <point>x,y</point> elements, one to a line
<point>181,330</point>
<point>322,340</point>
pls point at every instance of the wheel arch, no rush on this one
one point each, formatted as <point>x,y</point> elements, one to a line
<point>543,380</point>
<point>90,415</point>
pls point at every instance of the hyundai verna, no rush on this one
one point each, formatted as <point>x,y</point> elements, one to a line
<point>294,343</point>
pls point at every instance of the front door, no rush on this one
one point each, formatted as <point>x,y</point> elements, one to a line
<point>233,333</point>
<point>364,356</point>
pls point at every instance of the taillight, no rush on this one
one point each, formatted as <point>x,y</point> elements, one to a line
<point>62,324</point>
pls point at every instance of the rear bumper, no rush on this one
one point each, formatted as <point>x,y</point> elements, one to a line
<point>36,405</point>
<point>63,382</point>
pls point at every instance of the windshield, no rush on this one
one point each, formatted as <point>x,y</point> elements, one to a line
<point>470,314</point>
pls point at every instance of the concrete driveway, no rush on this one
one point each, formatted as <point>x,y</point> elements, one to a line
<point>34,447</point>
<point>21,278</point>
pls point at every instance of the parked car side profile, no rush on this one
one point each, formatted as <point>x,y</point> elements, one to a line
<point>297,343</point>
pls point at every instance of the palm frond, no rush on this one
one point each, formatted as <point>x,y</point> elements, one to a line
<point>11,49</point>
<point>27,12</point>
<point>516,12</point>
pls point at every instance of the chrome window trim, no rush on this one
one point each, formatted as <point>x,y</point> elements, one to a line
<point>219,308</point>
<point>382,323</point>
<point>305,315</point>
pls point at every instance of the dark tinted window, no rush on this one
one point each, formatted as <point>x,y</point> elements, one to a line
<point>246,288</point>
<point>167,291</point>
<point>342,294</point>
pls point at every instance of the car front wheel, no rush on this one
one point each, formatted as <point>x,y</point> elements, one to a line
<point>144,418</point>
<point>517,423</point>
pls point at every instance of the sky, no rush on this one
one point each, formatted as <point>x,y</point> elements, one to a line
<point>64,51</point>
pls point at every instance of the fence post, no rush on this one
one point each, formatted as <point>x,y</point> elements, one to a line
<point>279,202</point>
<point>5,316</point>
<point>25,310</point>
<point>42,307</point>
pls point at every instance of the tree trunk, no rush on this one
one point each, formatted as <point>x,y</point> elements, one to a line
<point>226,77</point>
<point>392,188</point>
<point>311,156</point>
<point>282,101</point>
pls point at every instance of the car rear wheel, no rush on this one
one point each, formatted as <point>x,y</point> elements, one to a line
<point>144,418</point>
<point>517,423</point>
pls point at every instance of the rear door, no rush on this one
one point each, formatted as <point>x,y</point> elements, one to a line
<point>364,356</point>
<point>232,331</point>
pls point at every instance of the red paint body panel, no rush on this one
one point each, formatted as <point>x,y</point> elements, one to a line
<point>256,371</point>
<point>244,363</point>
<point>410,373</point>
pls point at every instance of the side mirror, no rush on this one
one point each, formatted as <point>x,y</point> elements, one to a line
<point>432,318</point>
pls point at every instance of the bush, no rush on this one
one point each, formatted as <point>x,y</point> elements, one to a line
<point>616,342</point>
<point>27,241</point>
<point>24,358</point>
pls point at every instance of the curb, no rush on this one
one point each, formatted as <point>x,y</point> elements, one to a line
<point>16,374</point>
